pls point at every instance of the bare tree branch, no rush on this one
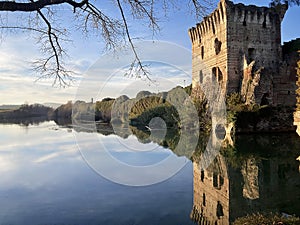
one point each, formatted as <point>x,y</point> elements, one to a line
<point>34,6</point>
<point>114,31</point>
<point>56,70</point>
<point>136,66</point>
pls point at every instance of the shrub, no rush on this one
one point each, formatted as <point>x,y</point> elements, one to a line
<point>267,219</point>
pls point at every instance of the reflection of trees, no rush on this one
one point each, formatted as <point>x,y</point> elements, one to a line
<point>26,121</point>
<point>259,175</point>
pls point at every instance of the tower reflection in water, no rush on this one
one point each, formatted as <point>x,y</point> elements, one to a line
<point>259,175</point>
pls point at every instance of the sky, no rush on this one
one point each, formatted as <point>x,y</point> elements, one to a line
<point>100,73</point>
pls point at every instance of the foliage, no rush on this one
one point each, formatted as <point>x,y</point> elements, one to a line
<point>145,104</point>
<point>188,89</point>
<point>267,219</point>
<point>289,2</point>
<point>298,84</point>
<point>26,111</point>
<point>103,109</point>
<point>147,108</point>
<point>235,106</point>
<point>34,109</point>
<point>203,115</point>
<point>64,111</point>
<point>107,99</point>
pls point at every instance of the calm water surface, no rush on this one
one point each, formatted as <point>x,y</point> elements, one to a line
<point>45,180</point>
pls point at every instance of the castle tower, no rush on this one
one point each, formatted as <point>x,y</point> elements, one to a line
<point>211,193</point>
<point>236,42</point>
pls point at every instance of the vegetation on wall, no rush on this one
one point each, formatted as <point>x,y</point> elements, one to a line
<point>298,84</point>
<point>267,219</point>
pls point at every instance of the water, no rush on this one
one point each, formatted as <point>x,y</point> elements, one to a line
<point>47,179</point>
<point>44,180</point>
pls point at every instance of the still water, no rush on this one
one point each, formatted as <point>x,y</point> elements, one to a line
<point>46,179</point>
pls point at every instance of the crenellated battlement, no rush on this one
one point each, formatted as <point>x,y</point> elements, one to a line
<point>209,23</point>
<point>237,13</point>
<point>238,42</point>
<point>254,14</point>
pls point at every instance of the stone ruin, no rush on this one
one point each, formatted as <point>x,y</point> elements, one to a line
<point>239,48</point>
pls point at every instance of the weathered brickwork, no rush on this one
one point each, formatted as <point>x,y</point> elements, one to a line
<point>239,47</point>
<point>225,191</point>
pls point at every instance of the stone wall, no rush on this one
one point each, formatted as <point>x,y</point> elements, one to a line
<point>285,84</point>
<point>209,48</point>
<point>211,193</point>
<point>238,41</point>
<point>253,34</point>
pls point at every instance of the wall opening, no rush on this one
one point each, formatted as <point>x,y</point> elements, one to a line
<point>215,180</point>
<point>221,181</point>
<point>202,52</point>
<point>214,74</point>
<point>217,75</point>
<point>217,46</point>
<point>200,76</point>
<point>219,210</point>
<point>264,99</point>
<point>204,200</point>
<point>220,75</point>
<point>202,175</point>
<point>251,54</point>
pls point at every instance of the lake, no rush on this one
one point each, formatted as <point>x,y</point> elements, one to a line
<point>53,174</point>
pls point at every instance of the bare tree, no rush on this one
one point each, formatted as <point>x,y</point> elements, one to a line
<point>114,30</point>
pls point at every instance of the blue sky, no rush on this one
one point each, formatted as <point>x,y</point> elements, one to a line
<point>17,80</point>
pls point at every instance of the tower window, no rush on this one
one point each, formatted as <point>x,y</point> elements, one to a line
<point>251,54</point>
<point>202,52</point>
<point>215,180</point>
<point>201,76</point>
<point>219,210</point>
<point>202,175</point>
<point>217,46</point>
<point>217,74</point>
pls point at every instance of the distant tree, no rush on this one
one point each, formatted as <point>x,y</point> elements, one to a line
<point>288,2</point>
<point>44,20</point>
